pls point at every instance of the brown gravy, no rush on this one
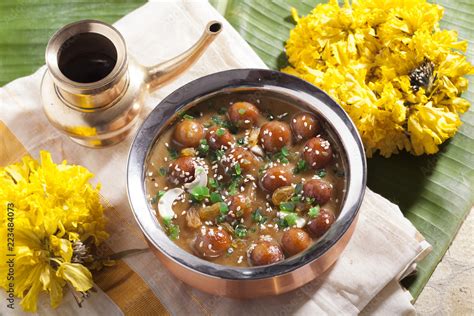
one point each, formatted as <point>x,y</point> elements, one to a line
<point>253,227</point>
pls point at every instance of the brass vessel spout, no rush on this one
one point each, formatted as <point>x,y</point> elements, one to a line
<point>93,91</point>
<point>168,70</point>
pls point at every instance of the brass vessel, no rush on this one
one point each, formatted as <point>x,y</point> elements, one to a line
<point>93,90</point>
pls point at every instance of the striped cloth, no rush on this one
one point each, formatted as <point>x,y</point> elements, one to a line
<point>384,248</point>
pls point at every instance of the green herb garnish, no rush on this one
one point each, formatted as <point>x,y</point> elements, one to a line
<point>222,110</point>
<point>203,147</point>
<point>199,193</point>
<point>221,218</point>
<point>257,216</point>
<point>241,111</point>
<point>300,166</point>
<point>233,188</point>
<point>172,230</point>
<point>188,117</point>
<point>240,231</point>
<point>223,208</point>
<point>157,197</point>
<point>215,197</point>
<point>282,155</point>
<point>213,183</point>
<point>238,170</point>
<point>314,211</point>
<point>163,171</point>
<point>321,173</point>
<point>220,131</point>
<point>241,141</point>
<point>173,153</point>
<point>287,206</point>
<point>290,219</point>
<point>220,153</point>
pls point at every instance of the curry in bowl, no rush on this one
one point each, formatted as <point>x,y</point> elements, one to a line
<point>245,179</point>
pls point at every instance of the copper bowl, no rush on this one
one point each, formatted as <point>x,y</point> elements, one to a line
<point>260,281</point>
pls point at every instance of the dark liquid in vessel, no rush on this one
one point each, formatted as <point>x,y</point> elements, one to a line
<point>89,67</point>
<point>87,57</point>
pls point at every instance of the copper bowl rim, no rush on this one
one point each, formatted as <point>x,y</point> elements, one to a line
<point>227,81</point>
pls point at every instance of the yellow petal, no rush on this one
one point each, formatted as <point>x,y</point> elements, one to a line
<point>76,274</point>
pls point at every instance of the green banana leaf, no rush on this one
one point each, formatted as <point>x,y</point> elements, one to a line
<point>435,192</point>
<point>27,25</point>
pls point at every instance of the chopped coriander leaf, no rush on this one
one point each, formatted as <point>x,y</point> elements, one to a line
<point>163,171</point>
<point>258,217</point>
<point>213,183</point>
<point>220,131</point>
<point>221,218</point>
<point>321,173</point>
<point>310,200</point>
<point>217,120</point>
<point>207,124</point>
<point>203,147</point>
<point>241,111</point>
<point>298,188</point>
<point>314,211</point>
<point>300,166</point>
<point>290,219</point>
<point>232,188</point>
<point>171,229</point>
<point>187,117</point>
<point>215,197</point>
<point>241,141</point>
<point>199,193</point>
<point>282,155</point>
<point>238,170</point>
<point>287,206</point>
<point>173,153</point>
<point>296,198</point>
<point>241,231</point>
<point>223,208</point>
<point>220,153</point>
<point>282,223</point>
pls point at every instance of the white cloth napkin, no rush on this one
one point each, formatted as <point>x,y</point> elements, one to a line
<point>366,276</point>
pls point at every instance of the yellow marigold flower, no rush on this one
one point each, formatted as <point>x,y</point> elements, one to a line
<point>389,65</point>
<point>55,216</point>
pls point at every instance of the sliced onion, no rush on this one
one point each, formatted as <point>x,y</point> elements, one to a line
<point>257,150</point>
<point>165,205</point>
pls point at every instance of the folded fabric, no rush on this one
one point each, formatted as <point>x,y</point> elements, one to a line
<point>383,246</point>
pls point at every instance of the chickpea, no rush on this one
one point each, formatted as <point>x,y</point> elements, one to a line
<point>294,241</point>
<point>274,136</point>
<point>318,189</point>
<point>317,152</point>
<point>240,206</point>
<point>188,133</point>
<point>305,125</point>
<point>243,114</point>
<point>265,253</point>
<point>321,224</point>
<point>247,161</point>
<point>181,170</point>
<point>276,177</point>
<point>218,137</point>
<point>211,242</point>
